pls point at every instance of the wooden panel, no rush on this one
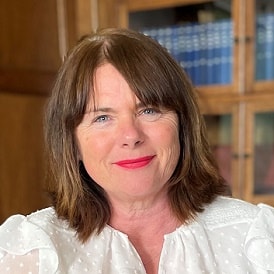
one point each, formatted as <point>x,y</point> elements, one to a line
<point>109,13</point>
<point>264,87</point>
<point>250,41</point>
<point>30,82</point>
<point>83,18</point>
<point>22,170</point>
<point>29,35</point>
<point>238,53</point>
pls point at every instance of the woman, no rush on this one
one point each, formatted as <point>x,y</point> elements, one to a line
<point>135,188</point>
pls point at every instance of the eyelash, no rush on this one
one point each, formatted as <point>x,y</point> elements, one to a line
<point>150,114</point>
<point>146,110</point>
<point>154,111</point>
<point>99,119</point>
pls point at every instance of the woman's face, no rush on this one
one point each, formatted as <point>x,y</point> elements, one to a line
<point>129,149</point>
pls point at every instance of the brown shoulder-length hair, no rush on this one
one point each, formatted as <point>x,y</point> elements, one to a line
<point>157,80</point>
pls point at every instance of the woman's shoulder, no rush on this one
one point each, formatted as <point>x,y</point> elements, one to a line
<point>30,231</point>
<point>252,225</point>
<point>34,230</point>
<point>21,237</point>
<point>45,219</point>
<point>41,232</point>
<point>226,210</point>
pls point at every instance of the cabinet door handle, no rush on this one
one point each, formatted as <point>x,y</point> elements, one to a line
<point>245,155</point>
<point>246,39</point>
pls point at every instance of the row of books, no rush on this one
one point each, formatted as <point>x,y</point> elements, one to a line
<point>265,47</point>
<point>203,50</point>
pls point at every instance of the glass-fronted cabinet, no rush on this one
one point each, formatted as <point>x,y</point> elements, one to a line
<point>263,133</point>
<point>260,144</point>
<point>198,35</point>
<point>220,120</point>
<point>219,127</point>
<point>242,140</point>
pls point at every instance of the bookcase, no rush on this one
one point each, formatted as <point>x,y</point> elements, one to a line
<point>238,104</point>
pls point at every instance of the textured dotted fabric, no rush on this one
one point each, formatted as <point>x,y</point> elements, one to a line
<point>230,236</point>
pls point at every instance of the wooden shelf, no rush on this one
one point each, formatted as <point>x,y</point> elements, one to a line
<point>139,5</point>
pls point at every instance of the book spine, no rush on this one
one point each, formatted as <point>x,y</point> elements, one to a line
<point>226,36</point>
<point>260,54</point>
<point>203,63</point>
<point>196,68</point>
<point>269,40</point>
<point>210,53</point>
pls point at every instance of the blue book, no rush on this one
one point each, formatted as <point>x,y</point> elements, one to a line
<point>217,59</point>
<point>164,37</point>
<point>203,79</point>
<point>210,52</point>
<point>175,52</point>
<point>159,36</point>
<point>260,52</point>
<point>185,48</point>
<point>180,31</point>
<point>195,68</point>
<point>269,41</point>
<point>226,35</point>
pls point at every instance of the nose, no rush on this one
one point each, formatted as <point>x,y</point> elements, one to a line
<point>131,133</point>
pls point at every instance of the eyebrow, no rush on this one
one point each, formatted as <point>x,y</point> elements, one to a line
<point>103,109</point>
<point>109,109</point>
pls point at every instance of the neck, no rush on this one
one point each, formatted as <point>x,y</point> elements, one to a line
<point>145,223</point>
<point>128,217</point>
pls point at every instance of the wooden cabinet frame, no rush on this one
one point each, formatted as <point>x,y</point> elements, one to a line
<point>251,109</point>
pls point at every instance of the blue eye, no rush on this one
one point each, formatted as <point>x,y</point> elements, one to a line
<point>150,111</point>
<point>150,114</point>
<point>101,119</point>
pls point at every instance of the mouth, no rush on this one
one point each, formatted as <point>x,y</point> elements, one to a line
<point>135,163</point>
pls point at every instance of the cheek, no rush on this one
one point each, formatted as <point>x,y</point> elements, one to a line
<point>174,141</point>
<point>172,154</point>
<point>174,150</point>
<point>168,149</point>
<point>167,140</point>
<point>94,149</point>
<point>170,134</point>
<point>85,143</point>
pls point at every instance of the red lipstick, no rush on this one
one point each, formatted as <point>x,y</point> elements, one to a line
<point>135,163</point>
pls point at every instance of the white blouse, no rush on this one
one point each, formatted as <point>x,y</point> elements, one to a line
<point>230,236</point>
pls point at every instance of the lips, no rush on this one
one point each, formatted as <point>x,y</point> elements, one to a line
<point>135,163</point>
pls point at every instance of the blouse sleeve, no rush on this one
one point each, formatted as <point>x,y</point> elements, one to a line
<point>25,247</point>
<point>260,239</point>
<point>28,263</point>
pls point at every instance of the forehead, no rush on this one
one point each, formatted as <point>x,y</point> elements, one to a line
<point>104,71</point>
<point>110,85</point>
<point>108,78</point>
